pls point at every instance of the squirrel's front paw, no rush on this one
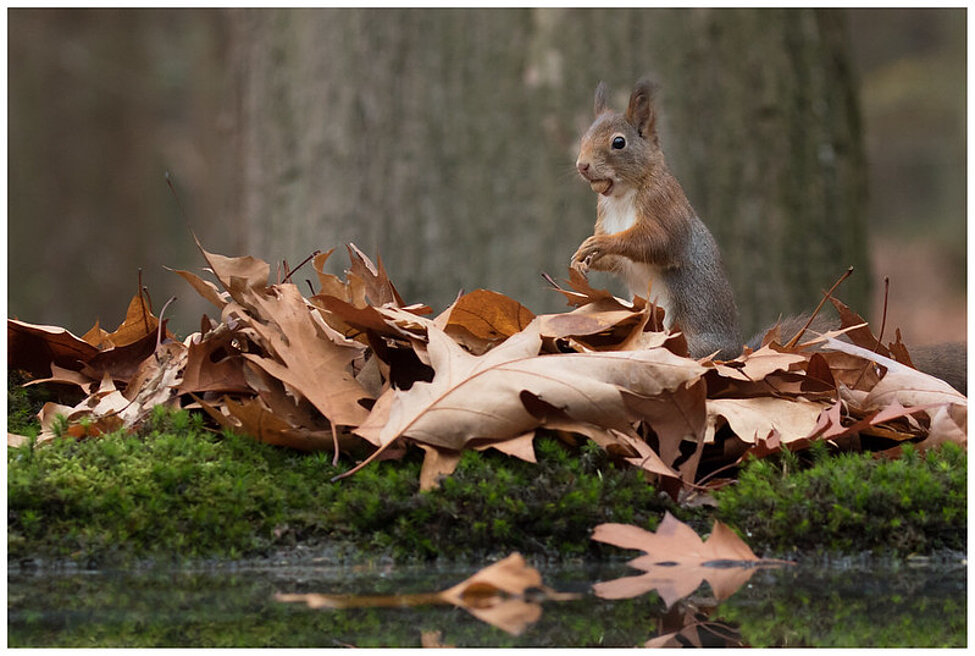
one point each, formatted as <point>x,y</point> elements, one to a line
<point>586,254</point>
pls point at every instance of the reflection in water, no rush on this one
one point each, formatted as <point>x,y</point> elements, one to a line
<point>875,605</point>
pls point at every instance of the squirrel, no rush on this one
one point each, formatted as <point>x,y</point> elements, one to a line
<point>646,230</point>
<point>648,234</point>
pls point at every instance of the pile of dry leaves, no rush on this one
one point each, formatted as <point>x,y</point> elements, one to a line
<point>354,369</point>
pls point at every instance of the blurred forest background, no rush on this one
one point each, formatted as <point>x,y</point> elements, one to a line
<point>808,140</point>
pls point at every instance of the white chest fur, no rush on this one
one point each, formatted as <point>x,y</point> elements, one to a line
<point>618,214</point>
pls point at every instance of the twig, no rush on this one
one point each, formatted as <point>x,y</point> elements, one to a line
<point>303,263</point>
<point>795,340</point>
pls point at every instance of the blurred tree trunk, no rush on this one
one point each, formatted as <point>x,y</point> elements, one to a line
<point>445,140</point>
<point>102,103</point>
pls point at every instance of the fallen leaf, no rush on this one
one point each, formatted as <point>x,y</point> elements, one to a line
<point>756,418</point>
<point>63,376</point>
<point>378,287</point>
<point>483,318</point>
<point>204,288</point>
<point>303,357</point>
<point>475,397</point>
<point>214,364</point>
<point>33,347</point>
<point>757,365</point>
<point>252,417</point>
<point>433,640</point>
<point>437,463</point>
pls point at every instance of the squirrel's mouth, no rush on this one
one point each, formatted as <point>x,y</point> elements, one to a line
<point>602,186</point>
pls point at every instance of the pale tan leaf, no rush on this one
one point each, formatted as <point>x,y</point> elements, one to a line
<point>520,447</point>
<point>437,463</point>
<point>756,418</point>
<point>479,397</point>
<point>759,364</point>
<point>65,377</point>
<point>204,288</point>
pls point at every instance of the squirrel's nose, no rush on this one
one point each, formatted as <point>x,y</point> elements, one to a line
<point>583,167</point>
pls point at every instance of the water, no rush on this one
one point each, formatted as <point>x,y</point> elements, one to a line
<point>866,604</point>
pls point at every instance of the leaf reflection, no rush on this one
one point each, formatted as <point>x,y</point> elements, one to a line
<point>505,594</point>
<point>677,561</point>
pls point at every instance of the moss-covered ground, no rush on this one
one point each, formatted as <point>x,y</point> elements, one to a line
<point>178,491</point>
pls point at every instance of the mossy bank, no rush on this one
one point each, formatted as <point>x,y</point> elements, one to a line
<point>178,491</point>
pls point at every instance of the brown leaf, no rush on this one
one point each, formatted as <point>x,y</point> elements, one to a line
<point>138,323</point>
<point>756,418</point>
<point>302,356</point>
<point>674,416</point>
<point>213,364</point>
<point>582,293</point>
<point>204,288</point>
<point>122,362</point>
<point>483,318</point>
<point>757,365</point>
<point>479,397</point>
<point>436,464</point>
<point>156,380</point>
<point>252,417</point>
<point>520,447</point>
<point>949,423</point>
<point>242,277</point>
<point>352,290</point>
<point>65,377</point>
<point>378,287</point>
<point>433,640</point>
<point>33,347</point>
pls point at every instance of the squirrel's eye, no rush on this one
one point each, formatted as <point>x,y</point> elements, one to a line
<point>618,143</point>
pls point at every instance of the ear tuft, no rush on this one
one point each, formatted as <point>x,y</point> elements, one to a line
<point>641,113</point>
<point>601,104</point>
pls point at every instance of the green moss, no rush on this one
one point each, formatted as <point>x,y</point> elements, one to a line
<point>852,502</point>
<point>23,404</point>
<point>177,490</point>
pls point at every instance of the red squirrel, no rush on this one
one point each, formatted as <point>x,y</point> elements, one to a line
<point>648,234</point>
<point>646,230</point>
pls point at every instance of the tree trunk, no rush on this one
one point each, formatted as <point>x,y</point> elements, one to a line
<point>445,140</point>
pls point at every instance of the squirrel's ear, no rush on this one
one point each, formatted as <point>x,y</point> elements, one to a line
<point>641,113</point>
<point>600,104</point>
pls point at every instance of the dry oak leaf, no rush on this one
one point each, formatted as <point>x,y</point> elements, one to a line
<point>254,418</point>
<point>352,290</point>
<point>677,560</point>
<point>378,287</point>
<point>482,318</point>
<point>757,365</point>
<point>304,356</point>
<point>479,397</point>
<point>755,418</point>
<point>33,347</point>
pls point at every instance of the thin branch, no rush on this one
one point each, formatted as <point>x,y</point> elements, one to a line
<point>795,340</point>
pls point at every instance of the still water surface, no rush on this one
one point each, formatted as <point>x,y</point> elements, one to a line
<point>835,605</point>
